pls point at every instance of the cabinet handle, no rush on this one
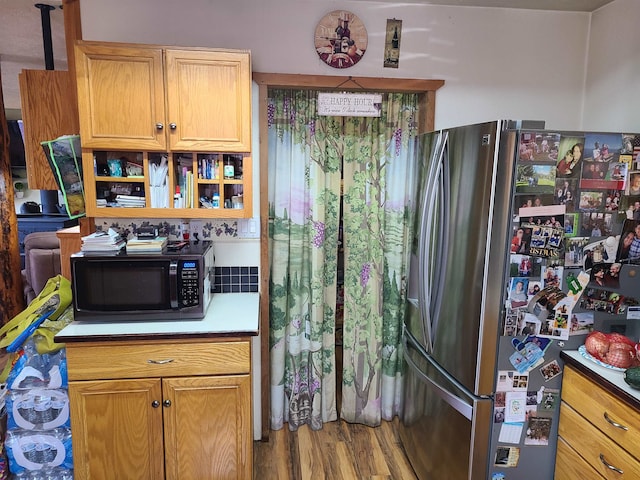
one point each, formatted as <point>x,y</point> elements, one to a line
<point>155,404</point>
<point>609,466</point>
<point>159,126</point>
<point>173,126</point>
<point>161,362</point>
<point>167,403</point>
<point>615,424</point>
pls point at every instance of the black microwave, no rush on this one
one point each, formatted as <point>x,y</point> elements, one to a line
<point>173,285</point>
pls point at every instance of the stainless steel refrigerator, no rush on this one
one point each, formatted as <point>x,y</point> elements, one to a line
<point>454,342</point>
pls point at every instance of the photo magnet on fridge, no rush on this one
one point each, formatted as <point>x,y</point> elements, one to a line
<point>550,370</point>
<point>570,156</point>
<point>507,457</point>
<point>543,230</point>
<point>540,147</point>
<point>538,431</point>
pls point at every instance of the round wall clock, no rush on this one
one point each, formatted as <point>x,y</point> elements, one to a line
<point>341,39</point>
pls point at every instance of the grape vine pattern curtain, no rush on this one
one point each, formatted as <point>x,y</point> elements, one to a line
<point>312,161</point>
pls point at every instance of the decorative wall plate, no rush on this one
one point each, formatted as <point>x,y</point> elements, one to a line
<point>341,39</point>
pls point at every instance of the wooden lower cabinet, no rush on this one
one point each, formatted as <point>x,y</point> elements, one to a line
<point>170,427</point>
<point>571,466</point>
<point>598,433</point>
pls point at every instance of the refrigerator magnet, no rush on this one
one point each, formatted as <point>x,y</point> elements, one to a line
<point>550,370</point>
<point>506,457</point>
<point>515,407</point>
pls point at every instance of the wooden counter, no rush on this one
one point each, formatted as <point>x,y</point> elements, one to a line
<point>609,379</point>
<point>599,430</point>
<point>165,399</point>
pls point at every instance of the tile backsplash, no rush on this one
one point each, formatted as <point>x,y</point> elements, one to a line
<point>171,228</point>
<point>235,279</point>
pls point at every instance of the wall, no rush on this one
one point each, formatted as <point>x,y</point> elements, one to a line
<point>612,97</point>
<point>496,62</point>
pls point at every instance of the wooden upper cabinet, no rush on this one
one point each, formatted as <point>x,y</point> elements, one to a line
<point>48,112</point>
<point>123,90</point>
<point>120,96</point>
<point>209,100</point>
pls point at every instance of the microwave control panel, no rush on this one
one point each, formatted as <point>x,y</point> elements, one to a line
<point>189,283</point>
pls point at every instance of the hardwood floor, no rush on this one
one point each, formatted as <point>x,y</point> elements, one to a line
<point>340,451</point>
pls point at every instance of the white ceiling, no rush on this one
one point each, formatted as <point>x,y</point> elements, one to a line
<point>21,44</point>
<point>561,5</point>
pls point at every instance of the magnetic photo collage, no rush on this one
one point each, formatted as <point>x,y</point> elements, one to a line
<point>576,212</point>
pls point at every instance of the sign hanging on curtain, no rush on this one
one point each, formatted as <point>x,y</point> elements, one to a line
<point>349,104</point>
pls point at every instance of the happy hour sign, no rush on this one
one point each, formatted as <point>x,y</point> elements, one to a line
<point>349,104</point>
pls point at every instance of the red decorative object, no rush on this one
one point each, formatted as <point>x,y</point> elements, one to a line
<point>341,39</point>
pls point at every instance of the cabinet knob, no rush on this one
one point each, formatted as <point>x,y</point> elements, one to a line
<point>167,403</point>
<point>173,126</point>
<point>159,126</point>
<point>155,404</point>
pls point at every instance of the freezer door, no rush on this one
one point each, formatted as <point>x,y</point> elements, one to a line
<point>444,431</point>
<point>465,251</point>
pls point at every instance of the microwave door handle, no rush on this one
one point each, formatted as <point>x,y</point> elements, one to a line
<point>173,284</point>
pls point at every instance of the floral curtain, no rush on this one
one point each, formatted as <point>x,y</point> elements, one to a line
<point>312,160</point>
<point>379,183</point>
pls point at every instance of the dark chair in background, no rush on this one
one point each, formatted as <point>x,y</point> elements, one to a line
<point>41,262</point>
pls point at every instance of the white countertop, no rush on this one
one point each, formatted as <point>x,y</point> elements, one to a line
<point>612,376</point>
<point>228,313</point>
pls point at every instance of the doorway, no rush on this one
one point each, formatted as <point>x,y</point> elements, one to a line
<point>426,90</point>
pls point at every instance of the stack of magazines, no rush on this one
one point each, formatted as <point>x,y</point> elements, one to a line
<point>110,241</point>
<point>130,201</point>
<point>146,245</point>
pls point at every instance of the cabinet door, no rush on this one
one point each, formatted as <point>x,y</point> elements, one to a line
<point>120,97</point>
<point>209,100</point>
<point>47,99</point>
<point>208,428</point>
<point>117,433</point>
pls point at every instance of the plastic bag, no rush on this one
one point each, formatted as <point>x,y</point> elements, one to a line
<point>34,370</point>
<point>51,303</point>
<point>28,451</point>
<point>65,158</point>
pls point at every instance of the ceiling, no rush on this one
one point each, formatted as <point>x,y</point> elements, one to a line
<point>560,5</point>
<point>21,43</point>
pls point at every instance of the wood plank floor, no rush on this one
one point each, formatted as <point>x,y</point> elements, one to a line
<point>340,451</point>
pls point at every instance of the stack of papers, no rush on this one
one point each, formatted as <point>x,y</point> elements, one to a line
<point>130,201</point>
<point>110,241</point>
<point>146,245</point>
<point>158,183</point>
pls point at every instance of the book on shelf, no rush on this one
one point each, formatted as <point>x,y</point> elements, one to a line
<point>147,245</point>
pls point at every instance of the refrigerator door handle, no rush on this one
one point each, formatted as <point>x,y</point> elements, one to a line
<point>426,269</point>
<point>442,248</point>
<point>462,407</point>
